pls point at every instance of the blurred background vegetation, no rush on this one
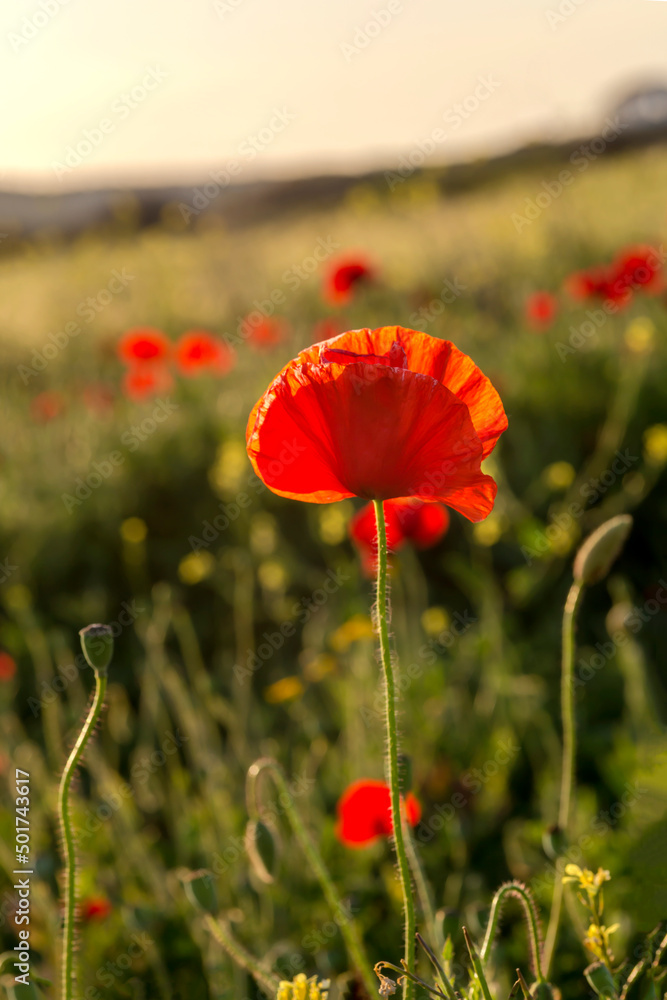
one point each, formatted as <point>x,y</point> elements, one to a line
<point>163,786</point>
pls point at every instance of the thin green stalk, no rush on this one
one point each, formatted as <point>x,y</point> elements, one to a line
<point>443,980</point>
<point>392,745</point>
<point>478,969</point>
<point>268,982</point>
<point>569,756</point>
<point>424,892</point>
<point>348,926</point>
<point>69,848</point>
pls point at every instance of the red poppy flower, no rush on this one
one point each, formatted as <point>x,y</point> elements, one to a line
<point>541,309</point>
<point>145,381</point>
<point>145,345</point>
<point>268,333</point>
<point>199,353</point>
<point>423,524</point>
<point>47,406</point>
<point>95,908</point>
<point>343,276</point>
<point>364,813</point>
<point>7,666</point>
<point>379,414</point>
<point>596,282</point>
<point>639,268</point>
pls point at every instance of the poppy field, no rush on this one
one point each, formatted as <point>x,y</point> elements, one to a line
<point>361,513</point>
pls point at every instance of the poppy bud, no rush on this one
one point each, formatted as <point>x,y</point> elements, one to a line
<point>553,842</point>
<point>261,849</point>
<point>97,646</point>
<point>601,980</point>
<point>600,550</point>
<point>200,890</point>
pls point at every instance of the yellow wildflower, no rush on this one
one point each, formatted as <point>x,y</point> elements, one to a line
<point>133,530</point>
<point>286,689</point>
<point>303,989</point>
<point>655,444</point>
<point>356,627</point>
<point>597,940</point>
<point>559,475</point>
<point>195,567</point>
<point>590,881</point>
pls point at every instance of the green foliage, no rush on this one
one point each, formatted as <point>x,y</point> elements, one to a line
<point>198,567</point>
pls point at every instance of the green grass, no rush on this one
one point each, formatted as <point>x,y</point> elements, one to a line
<point>163,786</point>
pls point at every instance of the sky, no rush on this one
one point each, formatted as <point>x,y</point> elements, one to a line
<point>157,91</point>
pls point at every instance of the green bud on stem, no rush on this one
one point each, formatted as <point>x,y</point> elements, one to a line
<point>97,646</point>
<point>601,549</point>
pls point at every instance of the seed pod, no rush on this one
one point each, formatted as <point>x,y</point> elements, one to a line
<point>97,646</point>
<point>261,848</point>
<point>601,549</point>
<point>601,980</point>
<point>200,890</point>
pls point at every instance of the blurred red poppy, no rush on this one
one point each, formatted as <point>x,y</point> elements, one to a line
<point>143,344</point>
<point>423,524</point>
<point>7,666</point>
<point>639,268</point>
<point>541,309</point>
<point>94,908</point>
<point>268,333</point>
<point>342,277</point>
<point>47,406</point>
<point>364,813</point>
<point>379,414</point>
<point>145,381</point>
<point>200,353</point>
<point>636,268</point>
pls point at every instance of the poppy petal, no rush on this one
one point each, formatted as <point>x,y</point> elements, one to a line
<point>364,812</point>
<point>429,356</point>
<point>411,437</point>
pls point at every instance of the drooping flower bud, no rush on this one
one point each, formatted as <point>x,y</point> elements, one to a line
<point>200,890</point>
<point>601,549</point>
<point>97,646</point>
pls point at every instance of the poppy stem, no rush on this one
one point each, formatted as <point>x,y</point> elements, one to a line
<point>569,757</point>
<point>262,976</point>
<point>342,915</point>
<point>69,848</point>
<point>392,742</point>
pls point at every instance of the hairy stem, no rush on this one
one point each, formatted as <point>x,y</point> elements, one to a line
<point>346,922</point>
<point>569,757</point>
<point>69,847</point>
<point>525,897</point>
<point>392,745</point>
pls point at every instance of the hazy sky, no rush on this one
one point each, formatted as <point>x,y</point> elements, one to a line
<point>288,86</point>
